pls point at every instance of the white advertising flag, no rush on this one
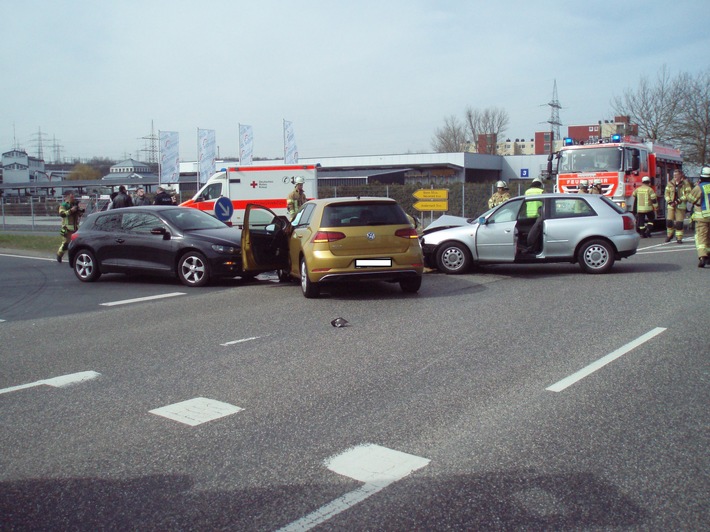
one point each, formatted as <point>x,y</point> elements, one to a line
<point>290,149</point>
<point>246,145</point>
<point>169,157</point>
<point>206,154</point>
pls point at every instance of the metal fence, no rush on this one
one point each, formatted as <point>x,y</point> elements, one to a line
<point>464,199</point>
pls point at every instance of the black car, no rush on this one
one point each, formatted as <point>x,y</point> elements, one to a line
<point>157,240</point>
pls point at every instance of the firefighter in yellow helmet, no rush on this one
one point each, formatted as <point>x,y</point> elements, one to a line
<point>501,195</point>
<point>677,191</point>
<point>645,207</point>
<point>70,211</point>
<point>296,198</point>
<point>699,198</point>
<point>596,187</point>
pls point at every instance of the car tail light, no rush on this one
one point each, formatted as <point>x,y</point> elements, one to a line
<point>629,222</point>
<point>327,236</point>
<point>409,232</point>
<point>73,236</point>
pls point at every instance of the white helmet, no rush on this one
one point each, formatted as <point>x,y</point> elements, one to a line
<point>537,180</point>
<point>646,179</point>
<point>597,181</point>
<point>500,184</point>
<point>299,180</point>
<point>584,183</point>
<point>705,172</point>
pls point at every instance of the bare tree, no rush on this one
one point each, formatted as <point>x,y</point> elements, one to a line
<point>491,121</point>
<point>449,138</point>
<point>692,124</point>
<point>653,106</point>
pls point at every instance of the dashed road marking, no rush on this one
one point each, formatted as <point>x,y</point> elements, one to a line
<point>240,341</point>
<point>141,299</point>
<point>376,466</point>
<point>57,382</point>
<point>594,366</point>
<point>196,411</point>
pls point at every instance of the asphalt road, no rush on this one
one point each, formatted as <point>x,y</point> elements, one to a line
<point>460,407</point>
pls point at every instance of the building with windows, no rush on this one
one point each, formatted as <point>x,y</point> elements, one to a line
<point>19,167</point>
<point>130,169</point>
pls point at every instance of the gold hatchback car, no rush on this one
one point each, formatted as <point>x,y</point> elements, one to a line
<point>335,240</point>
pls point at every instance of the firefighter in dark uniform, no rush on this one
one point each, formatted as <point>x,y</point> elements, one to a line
<point>70,211</point>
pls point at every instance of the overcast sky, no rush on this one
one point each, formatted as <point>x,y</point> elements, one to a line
<point>355,77</point>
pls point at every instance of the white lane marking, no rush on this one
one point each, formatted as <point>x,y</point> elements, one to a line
<point>241,341</point>
<point>667,250</point>
<point>140,299</point>
<point>196,411</point>
<point>377,466</point>
<point>57,382</point>
<point>594,366</point>
<point>26,257</point>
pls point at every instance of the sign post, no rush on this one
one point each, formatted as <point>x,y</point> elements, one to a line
<point>433,199</point>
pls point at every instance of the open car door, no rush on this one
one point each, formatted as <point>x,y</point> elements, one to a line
<point>264,240</point>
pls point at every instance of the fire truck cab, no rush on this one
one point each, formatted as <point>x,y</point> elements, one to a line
<point>620,163</point>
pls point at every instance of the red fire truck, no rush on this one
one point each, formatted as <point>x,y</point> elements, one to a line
<point>620,162</point>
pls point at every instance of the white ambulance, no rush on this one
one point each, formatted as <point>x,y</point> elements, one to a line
<point>267,186</point>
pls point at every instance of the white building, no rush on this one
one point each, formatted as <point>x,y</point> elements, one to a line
<point>18,167</point>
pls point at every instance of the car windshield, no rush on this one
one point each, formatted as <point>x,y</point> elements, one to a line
<point>363,213</point>
<point>187,219</point>
<point>592,159</point>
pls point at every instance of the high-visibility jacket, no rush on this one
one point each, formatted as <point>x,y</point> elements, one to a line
<point>699,197</point>
<point>676,195</point>
<point>645,199</point>
<point>533,207</point>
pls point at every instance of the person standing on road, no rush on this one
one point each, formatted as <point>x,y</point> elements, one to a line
<point>70,211</point>
<point>140,199</point>
<point>533,207</point>
<point>677,191</point>
<point>122,199</point>
<point>501,195</point>
<point>645,207</point>
<point>699,198</point>
<point>296,198</point>
<point>162,197</point>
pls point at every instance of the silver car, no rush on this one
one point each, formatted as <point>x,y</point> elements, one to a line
<point>584,228</point>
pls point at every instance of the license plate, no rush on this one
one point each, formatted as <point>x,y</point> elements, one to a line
<point>373,263</point>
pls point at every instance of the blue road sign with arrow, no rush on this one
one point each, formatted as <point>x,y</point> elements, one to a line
<point>223,209</point>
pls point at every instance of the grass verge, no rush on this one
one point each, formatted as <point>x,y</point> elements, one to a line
<point>42,243</point>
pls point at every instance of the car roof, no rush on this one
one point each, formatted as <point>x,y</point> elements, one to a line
<point>351,199</point>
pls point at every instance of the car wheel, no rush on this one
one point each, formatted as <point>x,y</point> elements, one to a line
<point>411,286</point>
<point>596,256</point>
<point>85,266</point>
<point>453,258</point>
<point>193,269</point>
<point>309,289</point>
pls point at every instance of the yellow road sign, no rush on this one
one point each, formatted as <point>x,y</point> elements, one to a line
<point>431,193</point>
<point>431,205</point>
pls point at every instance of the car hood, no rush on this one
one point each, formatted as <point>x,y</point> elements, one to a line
<point>228,236</point>
<point>446,221</point>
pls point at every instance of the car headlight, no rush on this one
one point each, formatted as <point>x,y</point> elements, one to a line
<point>227,250</point>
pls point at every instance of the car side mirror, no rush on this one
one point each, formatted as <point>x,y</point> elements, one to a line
<point>161,231</point>
<point>482,221</point>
